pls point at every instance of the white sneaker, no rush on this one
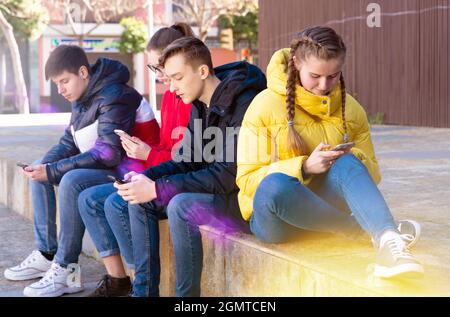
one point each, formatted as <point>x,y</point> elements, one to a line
<point>56,282</point>
<point>395,260</point>
<point>34,266</point>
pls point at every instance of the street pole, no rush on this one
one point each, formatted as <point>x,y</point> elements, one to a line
<point>169,12</point>
<point>152,81</point>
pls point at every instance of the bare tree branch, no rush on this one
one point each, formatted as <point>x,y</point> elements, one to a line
<point>204,13</point>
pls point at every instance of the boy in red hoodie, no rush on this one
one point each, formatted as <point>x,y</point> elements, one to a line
<point>103,211</point>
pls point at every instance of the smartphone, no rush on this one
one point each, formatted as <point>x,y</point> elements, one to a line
<point>121,133</point>
<point>117,179</point>
<point>344,146</point>
<point>22,165</point>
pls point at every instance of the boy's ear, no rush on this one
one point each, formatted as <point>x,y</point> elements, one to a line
<point>204,71</point>
<point>83,72</point>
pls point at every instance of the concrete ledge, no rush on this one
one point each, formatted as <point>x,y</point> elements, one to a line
<point>316,265</point>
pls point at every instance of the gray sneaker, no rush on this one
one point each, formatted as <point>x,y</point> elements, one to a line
<point>395,260</point>
<point>410,230</point>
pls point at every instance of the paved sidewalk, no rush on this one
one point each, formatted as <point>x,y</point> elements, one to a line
<point>17,242</point>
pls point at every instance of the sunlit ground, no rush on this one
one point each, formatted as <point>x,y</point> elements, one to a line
<point>35,119</point>
<point>40,119</point>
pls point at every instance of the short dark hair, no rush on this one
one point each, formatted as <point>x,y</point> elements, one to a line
<point>194,50</point>
<point>66,58</point>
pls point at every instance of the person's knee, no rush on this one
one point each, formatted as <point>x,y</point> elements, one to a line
<point>115,205</point>
<point>87,202</point>
<point>178,206</point>
<point>70,181</point>
<point>347,162</point>
<point>346,168</point>
<point>272,187</point>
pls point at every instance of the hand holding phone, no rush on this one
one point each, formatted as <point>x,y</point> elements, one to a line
<point>117,180</point>
<point>344,146</point>
<point>121,133</point>
<point>22,165</point>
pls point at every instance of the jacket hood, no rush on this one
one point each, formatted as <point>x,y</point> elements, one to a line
<point>320,106</point>
<point>106,72</point>
<point>235,79</point>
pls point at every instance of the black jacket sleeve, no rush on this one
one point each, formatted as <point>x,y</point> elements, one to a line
<point>65,148</point>
<point>218,177</point>
<point>114,113</point>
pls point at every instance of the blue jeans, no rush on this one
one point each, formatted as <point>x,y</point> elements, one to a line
<point>186,212</point>
<point>71,226</point>
<point>105,215</point>
<point>144,224</point>
<point>343,200</point>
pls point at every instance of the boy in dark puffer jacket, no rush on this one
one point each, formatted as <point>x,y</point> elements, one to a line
<point>85,156</point>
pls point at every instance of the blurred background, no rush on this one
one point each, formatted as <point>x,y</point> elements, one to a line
<point>398,51</point>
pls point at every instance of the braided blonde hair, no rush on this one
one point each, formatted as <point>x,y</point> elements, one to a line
<point>324,43</point>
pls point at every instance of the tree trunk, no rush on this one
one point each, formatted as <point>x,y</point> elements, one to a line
<point>22,101</point>
<point>2,80</point>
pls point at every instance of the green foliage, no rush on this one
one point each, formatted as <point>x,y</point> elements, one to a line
<point>134,37</point>
<point>377,118</point>
<point>245,26</point>
<point>27,17</point>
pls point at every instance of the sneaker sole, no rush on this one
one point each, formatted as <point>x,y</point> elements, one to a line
<point>402,271</point>
<point>31,276</point>
<point>58,293</point>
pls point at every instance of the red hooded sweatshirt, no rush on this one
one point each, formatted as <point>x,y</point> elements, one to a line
<point>174,114</point>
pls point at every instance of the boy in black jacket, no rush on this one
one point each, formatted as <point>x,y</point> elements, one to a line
<point>198,186</point>
<point>85,156</point>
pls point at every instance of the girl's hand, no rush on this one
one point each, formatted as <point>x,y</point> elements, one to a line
<point>135,148</point>
<point>320,160</point>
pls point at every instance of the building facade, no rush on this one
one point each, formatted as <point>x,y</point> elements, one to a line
<point>398,64</point>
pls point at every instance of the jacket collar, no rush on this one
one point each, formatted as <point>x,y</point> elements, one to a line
<point>320,106</point>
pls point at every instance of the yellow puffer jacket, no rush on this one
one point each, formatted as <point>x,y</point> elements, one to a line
<point>262,144</point>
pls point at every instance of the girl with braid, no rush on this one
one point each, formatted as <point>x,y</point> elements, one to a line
<point>289,175</point>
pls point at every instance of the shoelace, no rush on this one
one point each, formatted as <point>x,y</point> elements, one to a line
<point>101,288</point>
<point>50,276</point>
<point>29,259</point>
<point>408,238</point>
<point>398,247</point>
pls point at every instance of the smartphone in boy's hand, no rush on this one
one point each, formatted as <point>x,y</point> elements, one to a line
<point>117,180</point>
<point>22,165</point>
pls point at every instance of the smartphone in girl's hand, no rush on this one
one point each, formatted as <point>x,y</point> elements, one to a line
<point>344,146</point>
<point>121,133</point>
